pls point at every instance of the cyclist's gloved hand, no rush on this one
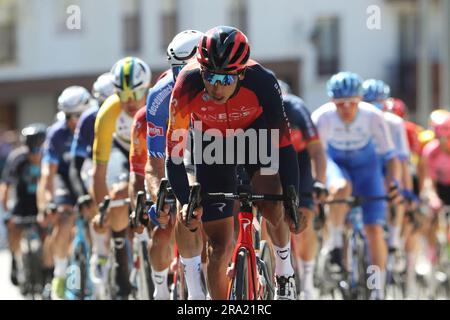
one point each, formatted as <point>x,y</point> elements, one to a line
<point>320,190</point>
<point>153,217</point>
<point>411,198</point>
<point>164,216</point>
<point>394,192</point>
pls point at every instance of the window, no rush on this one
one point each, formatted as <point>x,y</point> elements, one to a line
<point>8,46</point>
<point>326,39</point>
<point>409,29</point>
<point>131,22</point>
<point>169,23</point>
<point>238,15</point>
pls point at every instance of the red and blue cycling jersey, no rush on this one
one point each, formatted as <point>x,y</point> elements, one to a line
<point>258,96</point>
<point>303,130</point>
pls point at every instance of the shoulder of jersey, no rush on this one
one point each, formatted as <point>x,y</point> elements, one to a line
<point>431,146</point>
<point>163,82</point>
<point>426,136</point>
<point>92,111</point>
<point>141,114</point>
<point>254,69</point>
<point>18,153</point>
<point>389,116</point>
<point>328,107</point>
<point>56,128</point>
<point>109,103</point>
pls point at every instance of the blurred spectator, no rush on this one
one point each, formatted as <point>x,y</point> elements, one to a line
<point>8,141</point>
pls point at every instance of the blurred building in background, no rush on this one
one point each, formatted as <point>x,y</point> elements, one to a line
<point>303,41</point>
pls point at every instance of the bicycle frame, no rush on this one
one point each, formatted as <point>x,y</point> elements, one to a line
<point>245,240</point>
<point>85,289</point>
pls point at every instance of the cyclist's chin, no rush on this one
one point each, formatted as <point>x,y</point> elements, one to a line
<point>219,100</point>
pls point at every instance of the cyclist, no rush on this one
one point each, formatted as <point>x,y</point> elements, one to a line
<point>377,92</point>
<point>435,157</point>
<point>222,90</point>
<point>81,174</point>
<point>55,186</point>
<point>153,122</point>
<point>351,130</point>
<point>410,229</point>
<point>306,142</point>
<point>111,147</point>
<point>436,118</point>
<point>21,174</point>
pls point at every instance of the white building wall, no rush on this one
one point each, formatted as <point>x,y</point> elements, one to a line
<point>37,108</point>
<point>277,30</point>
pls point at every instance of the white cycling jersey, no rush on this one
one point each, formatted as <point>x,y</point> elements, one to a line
<point>398,133</point>
<point>354,142</point>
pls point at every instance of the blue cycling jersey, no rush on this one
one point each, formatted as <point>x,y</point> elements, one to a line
<point>158,115</point>
<point>57,147</point>
<point>84,134</point>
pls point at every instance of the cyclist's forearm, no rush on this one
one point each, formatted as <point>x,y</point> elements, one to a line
<point>4,195</point>
<point>75,176</point>
<point>319,161</point>
<point>45,192</point>
<point>289,172</point>
<point>100,188</point>
<point>407,182</point>
<point>154,172</point>
<point>137,183</point>
<point>393,170</point>
<point>176,173</point>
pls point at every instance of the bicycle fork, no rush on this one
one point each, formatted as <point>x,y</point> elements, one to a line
<point>245,242</point>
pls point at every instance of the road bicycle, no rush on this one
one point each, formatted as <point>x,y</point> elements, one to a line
<point>250,279</point>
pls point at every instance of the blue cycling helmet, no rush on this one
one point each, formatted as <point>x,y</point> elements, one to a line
<point>375,90</point>
<point>344,85</point>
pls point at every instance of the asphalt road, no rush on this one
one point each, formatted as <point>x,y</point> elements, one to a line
<point>7,290</point>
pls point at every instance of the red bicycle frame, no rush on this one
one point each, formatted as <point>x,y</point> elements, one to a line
<point>245,240</point>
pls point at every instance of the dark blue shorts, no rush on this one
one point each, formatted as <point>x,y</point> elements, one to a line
<point>306,180</point>
<point>222,176</point>
<point>64,194</point>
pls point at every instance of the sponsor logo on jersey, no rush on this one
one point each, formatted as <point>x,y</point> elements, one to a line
<point>153,130</point>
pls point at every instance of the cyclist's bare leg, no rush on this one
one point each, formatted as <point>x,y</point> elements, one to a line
<point>119,216</point>
<point>307,240</point>
<point>161,249</point>
<point>306,244</point>
<point>342,189</point>
<point>14,236</point>
<point>411,238</point>
<point>220,249</point>
<point>378,253</point>
<point>119,223</point>
<point>395,226</point>
<point>62,234</point>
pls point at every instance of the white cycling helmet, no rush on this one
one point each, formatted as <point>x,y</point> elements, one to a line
<point>132,74</point>
<point>103,87</point>
<point>183,47</point>
<point>74,100</point>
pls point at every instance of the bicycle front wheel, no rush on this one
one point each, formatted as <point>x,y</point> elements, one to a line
<point>239,288</point>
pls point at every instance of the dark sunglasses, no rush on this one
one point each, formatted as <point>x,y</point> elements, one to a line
<point>223,79</point>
